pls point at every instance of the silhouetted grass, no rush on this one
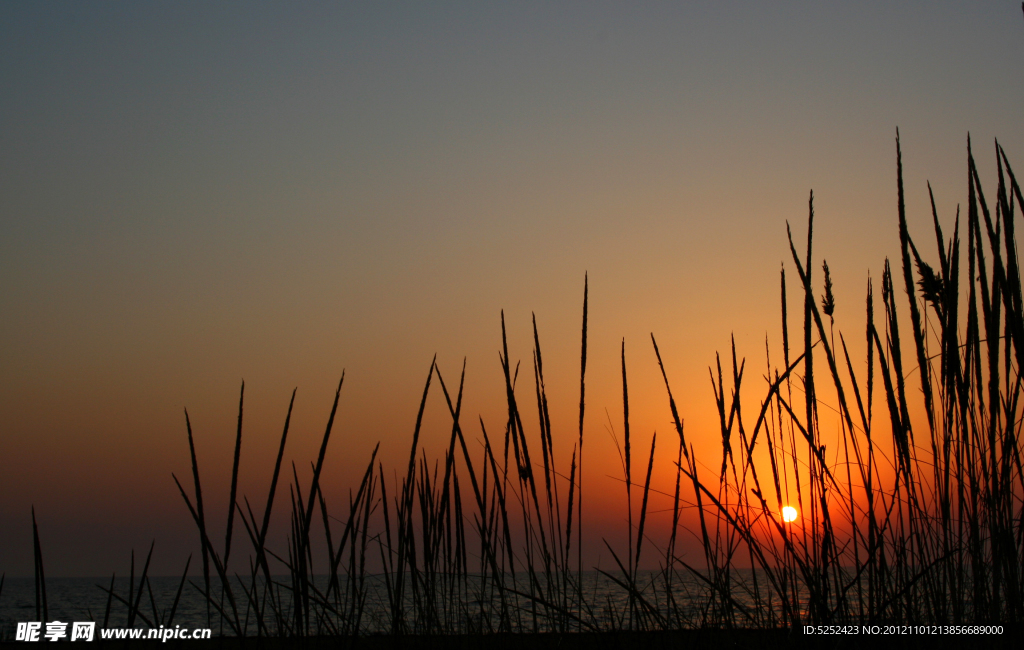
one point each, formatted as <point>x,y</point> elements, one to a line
<point>931,534</point>
<point>901,521</point>
<point>42,611</point>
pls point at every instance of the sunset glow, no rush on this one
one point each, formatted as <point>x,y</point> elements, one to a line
<point>196,195</point>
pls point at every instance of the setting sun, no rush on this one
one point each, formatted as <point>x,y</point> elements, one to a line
<point>218,217</point>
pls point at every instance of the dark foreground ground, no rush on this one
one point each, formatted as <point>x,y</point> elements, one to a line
<point>683,640</point>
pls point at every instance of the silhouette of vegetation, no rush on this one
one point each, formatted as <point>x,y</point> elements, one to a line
<point>902,520</point>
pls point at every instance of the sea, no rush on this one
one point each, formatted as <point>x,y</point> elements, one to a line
<point>450,607</point>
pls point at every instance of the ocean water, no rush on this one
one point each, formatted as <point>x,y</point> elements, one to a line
<point>439,605</point>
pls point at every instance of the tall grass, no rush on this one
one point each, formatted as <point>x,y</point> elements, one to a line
<point>909,520</point>
<point>912,521</point>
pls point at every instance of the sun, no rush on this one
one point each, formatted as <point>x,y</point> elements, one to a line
<point>789,514</point>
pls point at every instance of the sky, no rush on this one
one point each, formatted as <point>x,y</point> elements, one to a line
<point>196,194</point>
